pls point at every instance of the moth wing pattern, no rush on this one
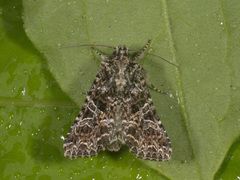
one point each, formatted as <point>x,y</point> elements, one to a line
<point>144,133</point>
<point>89,134</point>
<point>119,111</point>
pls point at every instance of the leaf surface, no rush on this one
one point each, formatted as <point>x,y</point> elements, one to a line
<point>202,114</point>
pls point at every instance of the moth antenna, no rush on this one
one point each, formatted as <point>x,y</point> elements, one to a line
<point>91,45</point>
<point>162,59</point>
<point>156,56</point>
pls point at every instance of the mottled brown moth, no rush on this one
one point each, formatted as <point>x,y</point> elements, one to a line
<point>119,111</point>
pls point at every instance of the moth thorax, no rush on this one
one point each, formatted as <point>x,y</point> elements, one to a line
<point>120,83</point>
<point>121,51</point>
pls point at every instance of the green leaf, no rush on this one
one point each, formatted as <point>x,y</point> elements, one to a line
<point>201,116</point>
<point>35,114</point>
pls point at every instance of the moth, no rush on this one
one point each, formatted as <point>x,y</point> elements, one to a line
<point>119,110</point>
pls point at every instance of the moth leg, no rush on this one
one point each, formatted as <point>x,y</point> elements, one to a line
<point>84,93</point>
<point>142,52</point>
<point>145,75</point>
<point>156,89</point>
<point>104,57</point>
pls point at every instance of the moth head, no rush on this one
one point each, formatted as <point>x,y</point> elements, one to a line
<point>121,51</point>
